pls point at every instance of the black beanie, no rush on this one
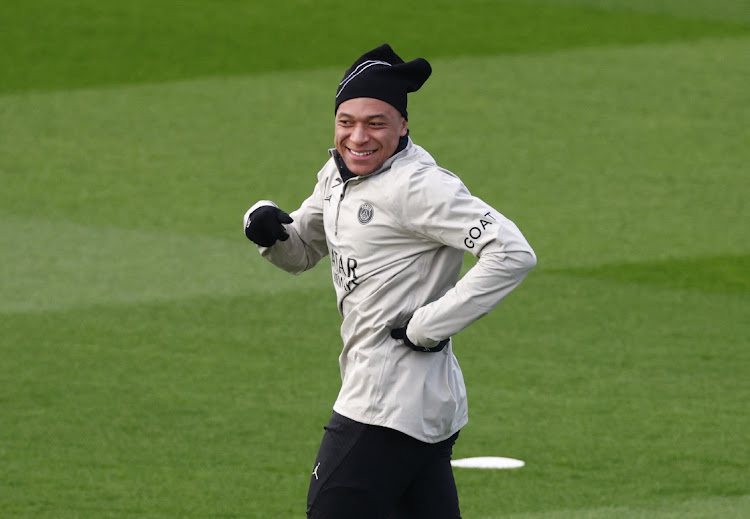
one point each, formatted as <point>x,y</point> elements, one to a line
<point>383,75</point>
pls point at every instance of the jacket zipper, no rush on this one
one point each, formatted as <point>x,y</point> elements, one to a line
<point>338,209</point>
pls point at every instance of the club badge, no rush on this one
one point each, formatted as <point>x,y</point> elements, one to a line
<point>365,213</point>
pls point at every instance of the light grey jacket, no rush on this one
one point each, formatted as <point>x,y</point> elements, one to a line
<point>396,240</point>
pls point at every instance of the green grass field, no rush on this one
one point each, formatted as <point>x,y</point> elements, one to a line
<point>152,365</point>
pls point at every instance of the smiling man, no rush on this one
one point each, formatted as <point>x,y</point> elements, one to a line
<point>395,226</point>
<point>367,133</point>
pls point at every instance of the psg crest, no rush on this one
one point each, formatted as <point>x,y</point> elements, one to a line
<point>365,213</point>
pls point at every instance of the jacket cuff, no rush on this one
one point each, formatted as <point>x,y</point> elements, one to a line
<point>414,335</point>
<point>253,208</point>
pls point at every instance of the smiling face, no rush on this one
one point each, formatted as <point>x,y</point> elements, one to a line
<point>367,133</point>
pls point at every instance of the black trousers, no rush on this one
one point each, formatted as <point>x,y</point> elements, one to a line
<point>369,472</point>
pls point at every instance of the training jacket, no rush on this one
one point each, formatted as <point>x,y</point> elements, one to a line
<point>396,240</point>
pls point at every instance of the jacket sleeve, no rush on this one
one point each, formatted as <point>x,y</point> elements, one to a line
<point>441,209</point>
<point>307,240</point>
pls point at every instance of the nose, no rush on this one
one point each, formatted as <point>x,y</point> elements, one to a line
<point>359,134</point>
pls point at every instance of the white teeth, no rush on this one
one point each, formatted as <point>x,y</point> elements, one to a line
<point>363,154</point>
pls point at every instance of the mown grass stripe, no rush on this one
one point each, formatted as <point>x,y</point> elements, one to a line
<point>722,273</point>
<point>52,45</point>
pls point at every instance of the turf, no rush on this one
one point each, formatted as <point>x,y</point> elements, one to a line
<point>154,366</point>
<point>49,45</point>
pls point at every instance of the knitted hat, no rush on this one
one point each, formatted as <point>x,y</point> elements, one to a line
<point>383,75</point>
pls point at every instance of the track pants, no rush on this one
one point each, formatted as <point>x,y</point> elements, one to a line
<point>370,472</point>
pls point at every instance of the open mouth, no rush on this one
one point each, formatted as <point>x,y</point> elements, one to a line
<point>360,154</point>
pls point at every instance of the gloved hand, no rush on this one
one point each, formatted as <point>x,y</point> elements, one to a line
<point>400,333</point>
<point>263,226</point>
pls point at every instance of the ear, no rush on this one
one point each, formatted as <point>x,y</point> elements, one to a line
<point>404,127</point>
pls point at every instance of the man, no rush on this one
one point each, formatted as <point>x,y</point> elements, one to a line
<point>396,227</point>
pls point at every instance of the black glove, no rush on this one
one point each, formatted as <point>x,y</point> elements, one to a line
<point>400,333</point>
<point>264,227</point>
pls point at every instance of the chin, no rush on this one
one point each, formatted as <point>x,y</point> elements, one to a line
<point>361,172</point>
<point>359,169</point>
